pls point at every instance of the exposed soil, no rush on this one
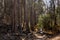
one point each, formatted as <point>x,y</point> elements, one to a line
<point>57,37</point>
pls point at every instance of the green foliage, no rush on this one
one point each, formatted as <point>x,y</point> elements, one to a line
<point>46,21</point>
<point>58,15</point>
<point>43,20</point>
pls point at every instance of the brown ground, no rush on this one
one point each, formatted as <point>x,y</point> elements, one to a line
<point>55,38</point>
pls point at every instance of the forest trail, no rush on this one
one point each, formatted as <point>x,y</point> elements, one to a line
<point>56,38</point>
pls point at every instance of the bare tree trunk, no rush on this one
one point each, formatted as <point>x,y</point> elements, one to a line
<point>1,10</point>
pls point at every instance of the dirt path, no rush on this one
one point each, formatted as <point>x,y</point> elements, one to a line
<point>56,38</point>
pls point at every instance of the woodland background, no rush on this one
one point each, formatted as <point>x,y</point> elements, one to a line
<point>24,16</point>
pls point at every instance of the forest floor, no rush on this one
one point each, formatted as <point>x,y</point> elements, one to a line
<point>57,37</point>
<point>36,36</point>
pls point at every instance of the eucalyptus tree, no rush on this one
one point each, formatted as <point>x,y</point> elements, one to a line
<point>1,10</point>
<point>58,14</point>
<point>53,11</point>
